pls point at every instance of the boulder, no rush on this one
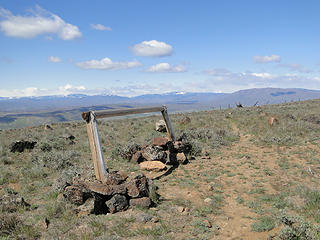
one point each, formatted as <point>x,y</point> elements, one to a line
<point>114,178</point>
<point>77,193</point>
<point>107,190</point>
<point>161,126</point>
<point>117,203</point>
<point>154,153</point>
<point>137,186</point>
<point>160,142</point>
<point>87,208</point>
<point>152,166</point>
<point>143,202</point>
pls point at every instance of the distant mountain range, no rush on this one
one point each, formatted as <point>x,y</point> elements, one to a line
<point>212,100</point>
<point>38,110</point>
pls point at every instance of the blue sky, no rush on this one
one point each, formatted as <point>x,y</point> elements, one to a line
<point>137,47</point>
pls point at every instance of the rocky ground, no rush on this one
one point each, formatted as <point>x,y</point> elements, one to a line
<point>231,174</point>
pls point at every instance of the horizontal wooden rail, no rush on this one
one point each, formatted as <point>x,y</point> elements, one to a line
<point>121,112</point>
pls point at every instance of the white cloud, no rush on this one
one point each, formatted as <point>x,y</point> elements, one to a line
<point>37,23</point>
<point>100,27</point>
<point>218,72</point>
<point>54,59</point>
<point>263,75</point>
<point>166,68</point>
<point>295,67</point>
<point>152,48</point>
<point>266,59</point>
<point>34,91</point>
<point>107,64</point>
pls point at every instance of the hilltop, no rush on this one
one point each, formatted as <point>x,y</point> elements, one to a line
<point>244,179</point>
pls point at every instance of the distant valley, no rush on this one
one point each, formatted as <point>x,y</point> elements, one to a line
<point>30,111</point>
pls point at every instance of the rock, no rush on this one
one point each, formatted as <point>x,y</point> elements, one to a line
<point>138,186</point>
<point>205,157</point>
<point>137,157</point>
<point>117,203</point>
<point>143,218</point>
<point>47,127</point>
<point>152,166</point>
<point>207,223</point>
<point>181,158</point>
<point>179,146</point>
<point>77,193</point>
<point>210,188</point>
<point>160,141</point>
<point>180,209</point>
<point>272,121</point>
<point>161,126</point>
<point>87,208</point>
<point>107,190</point>
<point>208,200</point>
<point>143,202</point>
<point>20,146</point>
<point>154,153</point>
<point>114,178</point>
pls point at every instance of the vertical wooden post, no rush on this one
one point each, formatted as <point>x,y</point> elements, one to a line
<point>168,124</point>
<point>95,145</point>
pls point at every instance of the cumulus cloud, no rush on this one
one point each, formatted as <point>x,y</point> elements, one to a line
<point>295,67</point>
<point>152,48</point>
<point>108,64</point>
<point>218,72</point>
<point>54,59</point>
<point>37,23</point>
<point>100,27</point>
<point>266,59</point>
<point>166,68</point>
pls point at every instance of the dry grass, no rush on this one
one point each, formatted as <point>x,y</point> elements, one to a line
<point>257,176</point>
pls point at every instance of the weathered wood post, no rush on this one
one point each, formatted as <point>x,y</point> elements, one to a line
<point>94,139</point>
<point>95,145</point>
<point>169,128</point>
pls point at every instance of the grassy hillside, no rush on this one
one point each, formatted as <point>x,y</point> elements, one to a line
<point>261,181</point>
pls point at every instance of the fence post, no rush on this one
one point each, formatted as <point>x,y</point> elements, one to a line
<point>95,146</point>
<point>168,124</point>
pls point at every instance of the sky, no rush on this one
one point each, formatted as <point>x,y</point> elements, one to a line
<point>136,47</point>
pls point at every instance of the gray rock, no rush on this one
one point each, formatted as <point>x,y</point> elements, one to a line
<point>161,126</point>
<point>154,153</point>
<point>117,203</point>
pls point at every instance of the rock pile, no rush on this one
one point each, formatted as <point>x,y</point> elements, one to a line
<point>161,152</point>
<point>117,193</point>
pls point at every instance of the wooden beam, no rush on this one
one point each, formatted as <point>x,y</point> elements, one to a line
<point>168,124</point>
<point>95,146</point>
<point>122,112</point>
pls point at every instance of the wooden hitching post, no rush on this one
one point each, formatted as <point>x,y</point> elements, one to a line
<point>94,139</point>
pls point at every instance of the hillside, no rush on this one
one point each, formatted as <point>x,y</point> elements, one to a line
<point>32,111</point>
<point>244,179</point>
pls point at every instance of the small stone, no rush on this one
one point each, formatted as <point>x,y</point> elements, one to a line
<point>181,158</point>
<point>187,209</point>
<point>45,223</point>
<point>143,202</point>
<point>204,152</point>
<point>137,157</point>
<point>210,188</point>
<point>47,127</point>
<point>180,209</point>
<point>207,223</point>
<point>143,218</point>
<point>208,200</point>
<point>152,166</point>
